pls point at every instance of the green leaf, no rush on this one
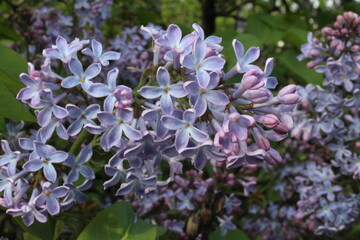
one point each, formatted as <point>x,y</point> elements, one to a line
<point>231,235</point>
<point>28,236</point>
<point>11,62</point>
<point>295,36</point>
<point>40,230</point>
<point>117,222</point>
<point>12,108</point>
<point>288,59</point>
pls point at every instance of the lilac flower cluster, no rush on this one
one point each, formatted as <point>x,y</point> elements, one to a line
<point>182,110</point>
<point>170,206</point>
<point>330,114</point>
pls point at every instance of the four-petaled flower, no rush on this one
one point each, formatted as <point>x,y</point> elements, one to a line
<point>43,157</point>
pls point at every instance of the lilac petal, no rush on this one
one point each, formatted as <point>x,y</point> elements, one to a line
<point>97,48</point>
<point>189,62</point>
<point>126,115</point>
<point>27,80</point>
<point>70,82</point>
<point>47,131</point>
<point>76,67</point>
<point>87,172</point>
<point>92,71</point>
<point>199,50</point>
<point>111,78</point>
<point>109,55</point>
<point>8,195</point>
<point>217,97</point>
<point>182,139</point>
<point>92,111</point>
<point>239,129</point>
<point>192,88</point>
<point>98,90</point>
<point>61,44</point>
<point>52,206</point>
<point>33,166</point>
<point>44,116</point>
<point>214,80</point>
<point>189,116</point>
<point>198,135</point>
<point>53,53</point>
<point>43,150</point>
<point>73,175</point>
<point>177,90</point>
<point>200,106</point>
<point>39,216</point>
<point>200,160</point>
<point>238,48</point>
<point>109,103</point>
<point>271,82</point>
<point>203,78</point>
<point>50,172</point>
<point>172,123</point>
<point>125,188</point>
<point>269,65</point>
<point>173,34</point>
<point>107,118</point>
<point>114,135</point>
<point>186,41</point>
<point>151,92</point>
<point>166,104</point>
<point>131,133</point>
<point>60,112</point>
<point>61,132</point>
<point>199,30</point>
<point>251,55</point>
<point>74,111</point>
<point>40,200</point>
<point>213,63</point>
<point>26,144</point>
<point>60,191</point>
<point>28,219</point>
<point>58,157</point>
<point>75,127</point>
<point>163,77</point>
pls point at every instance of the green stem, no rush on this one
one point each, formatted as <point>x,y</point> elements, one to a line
<point>83,135</point>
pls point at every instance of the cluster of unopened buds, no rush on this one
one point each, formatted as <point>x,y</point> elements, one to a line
<point>184,109</point>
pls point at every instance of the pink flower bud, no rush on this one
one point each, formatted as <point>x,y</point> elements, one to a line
<point>270,120</point>
<point>252,79</point>
<point>258,96</point>
<point>281,128</point>
<point>289,95</point>
<point>124,97</point>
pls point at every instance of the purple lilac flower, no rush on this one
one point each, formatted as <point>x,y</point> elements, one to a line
<point>50,197</point>
<point>43,157</point>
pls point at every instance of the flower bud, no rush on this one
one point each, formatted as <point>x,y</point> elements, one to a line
<point>124,97</point>
<point>270,120</point>
<point>258,96</point>
<point>281,128</point>
<point>252,79</point>
<point>289,95</point>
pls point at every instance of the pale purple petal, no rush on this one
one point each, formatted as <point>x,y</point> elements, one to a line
<point>163,77</point>
<point>166,104</point>
<point>216,97</point>
<point>251,55</point>
<point>198,135</point>
<point>213,63</point>
<point>182,139</point>
<point>172,123</point>
<point>131,133</point>
<point>177,90</point>
<point>92,71</point>
<point>76,68</point>
<point>50,172</point>
<point>99,90</point>
<point>70,82</point>
<point>53,206</point>
<point>151,92</point>
<point>33,166</point>
<point>203,78</point>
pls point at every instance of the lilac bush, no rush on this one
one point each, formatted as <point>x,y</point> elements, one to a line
<point>184,109</point>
